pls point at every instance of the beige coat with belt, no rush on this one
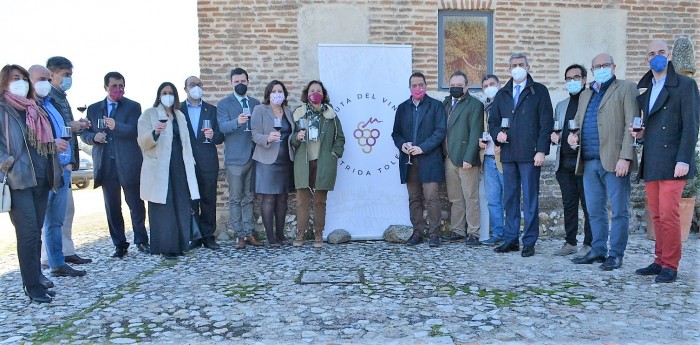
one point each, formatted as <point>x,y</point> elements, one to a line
<point>156,156</point>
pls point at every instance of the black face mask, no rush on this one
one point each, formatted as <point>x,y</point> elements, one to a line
<point>456,91</point>
<point>241,89</point>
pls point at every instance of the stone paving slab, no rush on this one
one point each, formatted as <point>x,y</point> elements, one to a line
<point>408,295</point>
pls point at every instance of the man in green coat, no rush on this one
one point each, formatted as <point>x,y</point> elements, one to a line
<point>465,123</point>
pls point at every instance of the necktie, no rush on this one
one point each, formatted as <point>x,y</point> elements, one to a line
<point>111,111</point>
<point>244,102</point>
<point>454,104</point>
<point>517,95</point>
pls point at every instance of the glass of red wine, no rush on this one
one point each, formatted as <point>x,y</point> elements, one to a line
<point>277,125</point>
<point>302,126</point>
<point>206,124</point>
<point>82,109</point>
<point>246,111</point>
<point>573,128</point>
<point>505,125</point>
<point>102,126</point>
<point>162,117</point>
<point>637,126</point>
<point>558,129</point>
<point>409,145</point>
<point>484,137</point>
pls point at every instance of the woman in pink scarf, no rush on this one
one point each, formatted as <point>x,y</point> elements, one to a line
<point>29,163</point>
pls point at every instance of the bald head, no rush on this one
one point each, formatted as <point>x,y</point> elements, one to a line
<point>39,73</point>
<point>603,60</point>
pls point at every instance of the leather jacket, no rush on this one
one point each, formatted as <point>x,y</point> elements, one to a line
<point>22,175</point>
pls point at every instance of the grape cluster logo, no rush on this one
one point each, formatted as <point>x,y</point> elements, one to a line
<point>367,137</point>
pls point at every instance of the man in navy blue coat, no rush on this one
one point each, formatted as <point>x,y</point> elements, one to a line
<point>528,107</point>
<point>419,130</point>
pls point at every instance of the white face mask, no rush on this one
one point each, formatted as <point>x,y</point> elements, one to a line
<point>196,92</point>
<point>19,88</point>
<point>167,100</point>
<point>490,91</point>
<point>42,88</point>
<point>277,98</point>
<point>574,86</point>
<point>519,74</point>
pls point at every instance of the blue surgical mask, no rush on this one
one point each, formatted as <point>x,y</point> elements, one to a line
<point>66,83</point>
<point>658,63</point>
<point>601,75</point>
<point>574,86</point>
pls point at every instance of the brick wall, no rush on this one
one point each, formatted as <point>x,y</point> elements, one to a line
<point>262,36</point>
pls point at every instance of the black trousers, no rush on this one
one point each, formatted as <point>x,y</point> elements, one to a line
<point>112,193</point>
<point>571,186</point>
<point>205,207</point>
<point>27,216</point>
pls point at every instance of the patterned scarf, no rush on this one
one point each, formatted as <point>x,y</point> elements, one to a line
<point>39,130</point>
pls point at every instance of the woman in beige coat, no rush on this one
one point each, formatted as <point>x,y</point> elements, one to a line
<point>168,180</point>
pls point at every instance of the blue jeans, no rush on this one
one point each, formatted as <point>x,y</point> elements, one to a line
<point>493,183</point>
<point>525,175</point>
<point>599,187</point>
<point>53,222</point>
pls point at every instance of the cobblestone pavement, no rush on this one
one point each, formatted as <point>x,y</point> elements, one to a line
<point>405,295</point>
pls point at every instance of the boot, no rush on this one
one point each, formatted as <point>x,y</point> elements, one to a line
<point>299,241</point>
<point>318,238</point>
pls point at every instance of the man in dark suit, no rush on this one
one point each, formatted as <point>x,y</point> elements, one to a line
<point>117,161</point>
<point>419,129</point>
<point>528,107</point>
<point>465,122</point>
<point>671,106</point>
<point>233,115</point>
<point>206,157</point>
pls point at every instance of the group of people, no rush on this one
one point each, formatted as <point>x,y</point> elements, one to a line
<point>167,156</point>
<point>515,129</point>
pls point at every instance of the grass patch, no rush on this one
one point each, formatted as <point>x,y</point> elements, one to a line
<point>241,290</point>
<point>435,331</point>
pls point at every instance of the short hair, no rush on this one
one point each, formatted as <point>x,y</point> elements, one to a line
<point>114,75</point>
<point>581,68</point>
<point>57,63</point>
<point>416,74</point>
<point>490,76</point>
<point>5,79</point>
<point>518,56</point>
<point>268,91</point>
<point>460,74</point>
<point>305,92</point>
<point>238,70</point>
<point>176,104</point>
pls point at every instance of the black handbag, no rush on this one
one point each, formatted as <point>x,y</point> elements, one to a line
<point>195,231</point>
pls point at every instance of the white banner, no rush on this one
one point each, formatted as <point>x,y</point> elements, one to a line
<point>365,84</point>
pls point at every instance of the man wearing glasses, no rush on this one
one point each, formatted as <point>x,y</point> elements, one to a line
<point>605,158</point>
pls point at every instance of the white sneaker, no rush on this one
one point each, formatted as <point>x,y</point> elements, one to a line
<point>566,249</point>
<point>583,251</point>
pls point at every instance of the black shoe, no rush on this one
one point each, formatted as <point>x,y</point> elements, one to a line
<point>667,275</point>
<point>589,259</point>
<point>66,271</point>
<point>415,239</point>
<point>434,240</point>
<point>45,282</point>
<point>611,263</point>
<point>195,244</point>
<point>210,242</point>
<point>651,270</point>
<point>473,241</point>
<point>119,252</point>
<point>44,298</point>
<point>453,237</point>
<point>528,251</point>
<point>51,293</point>
<point>507,247</point>
<point>76,260</point>
<point>144,248</point>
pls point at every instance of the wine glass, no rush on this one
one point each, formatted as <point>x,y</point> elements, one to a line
<point>409,145</point>
<point>484,137</point>
<point>206,124</point>
<point>66,135</point>
<point>505,125</point>
<point>102,126</point>
<point>162,117</point>
<point>637,126</point>
<point>558,129</point>
<point>277,125</point>
<point>303,126</point>
<point>573,128</point>
<point>82,109</point>
<point>246,111</point>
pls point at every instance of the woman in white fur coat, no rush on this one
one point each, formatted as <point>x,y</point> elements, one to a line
<point>168,180</point>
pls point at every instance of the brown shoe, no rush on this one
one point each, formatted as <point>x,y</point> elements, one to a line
<point>253,241</point>
<point>240,244</point>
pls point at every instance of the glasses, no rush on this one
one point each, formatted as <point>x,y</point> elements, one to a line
<point>191,85</point>
<point>576,77</point>
<point>605,65</point>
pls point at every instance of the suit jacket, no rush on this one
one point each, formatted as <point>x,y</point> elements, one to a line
<point>616,111</point>
<point>128,156</point>
<point>482,152</point>
<point>671,127</point>
<point>464,126</point>
<point>157,153</point>
<point>238,143</point>
<point>432,126</point>
<point>206,156</point>
<point>262,122</point>
<point>531,121</point>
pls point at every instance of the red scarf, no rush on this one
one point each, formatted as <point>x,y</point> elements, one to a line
<point>39,130</point>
